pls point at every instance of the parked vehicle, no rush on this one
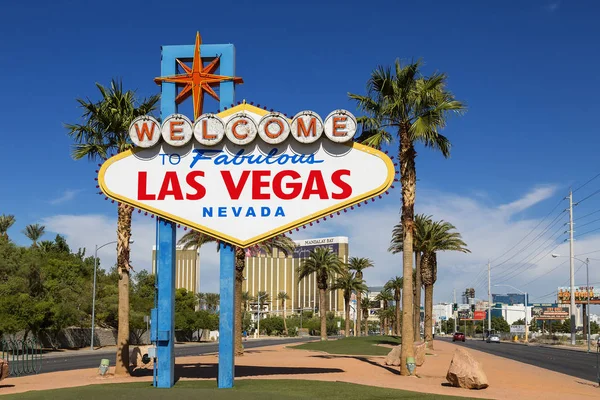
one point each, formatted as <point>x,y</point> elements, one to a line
<point>458,336</point>
<point>493,338</point>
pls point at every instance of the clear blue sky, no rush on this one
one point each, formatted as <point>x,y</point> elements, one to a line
<point>527,70</point>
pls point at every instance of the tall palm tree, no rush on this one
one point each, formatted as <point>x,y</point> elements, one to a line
<point>359,264</point>
<point>34,232</point>
<point>365,316</point>
<point>385,296</point>
<point>325,263</point>
<point>212,301</point>
<point>348,282</point>
<point>195,239</point>
<point>395,285</point>
<point>283,296</point>
<point>6,221</point>
<point>415,108</point>
<point>440,236</point>
<point>397,246</point>
<point>245,299</point>
<point>106,130</point>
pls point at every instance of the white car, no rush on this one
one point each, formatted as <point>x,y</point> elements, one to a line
<point>493,338</point>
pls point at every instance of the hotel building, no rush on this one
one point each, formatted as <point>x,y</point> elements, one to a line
<point>187,268</point>
<point>278,273</point>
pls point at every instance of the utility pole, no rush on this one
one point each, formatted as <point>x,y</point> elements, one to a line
<point>454,314</point>
<point>572,267</point>
<point>587,289</point>
<point>489,298</point>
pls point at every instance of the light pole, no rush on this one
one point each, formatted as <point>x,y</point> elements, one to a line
<point>258,297</point>
<point>94,291</point>
<point>526,311</point>
<point>587,285</point>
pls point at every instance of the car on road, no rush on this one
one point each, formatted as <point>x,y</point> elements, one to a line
<point>493,338</point>
<point>458,336</point>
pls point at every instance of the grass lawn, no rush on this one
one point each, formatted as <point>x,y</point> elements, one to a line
<point>361,346</point>
<point>244,389</point>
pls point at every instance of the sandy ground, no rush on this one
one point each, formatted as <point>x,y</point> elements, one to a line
<point>508,379</point>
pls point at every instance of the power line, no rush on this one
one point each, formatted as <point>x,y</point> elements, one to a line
<point>530,232</point>
<point>588,196</point>
<point>588,223</point>
<point>586,183</point>
<point>586,215</point>
<point>546,273</point>
<point>585,233</point>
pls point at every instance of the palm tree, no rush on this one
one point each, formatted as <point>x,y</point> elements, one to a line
<point>395,285</point>
<point>440,236</point>
<point>212,301</point>
<point>365,316</point>
<point>359,264</point>
<point>194,239</point>
<point>6,221</point>
<point>326,264</point>
<point>245,299</point>
<point>106,130</point>
<point>34,232</point>
<point>415,108</point>
<point>283,296</point>
<point>348,282</point>
<point>385,296</point>
<point>396,246</point>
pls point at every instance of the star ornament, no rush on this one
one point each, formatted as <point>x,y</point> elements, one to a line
<point>197,80</point>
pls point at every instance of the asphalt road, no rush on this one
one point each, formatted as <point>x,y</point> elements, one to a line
<point>574,363</point>
<point>53,363</point>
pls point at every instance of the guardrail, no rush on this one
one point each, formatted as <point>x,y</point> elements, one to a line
<point>24,356</point>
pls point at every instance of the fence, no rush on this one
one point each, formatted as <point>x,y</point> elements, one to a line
<point>24,356</point>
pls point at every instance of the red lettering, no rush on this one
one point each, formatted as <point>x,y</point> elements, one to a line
<point>234,129</point>
<point>279,127</point>
<point>312,127</point>
<point>145,131</point>
<point>234,190</point>
<point>143,187</point>
<point>205,134</point>
<point>278,185</point>
<point>338,126</point>
<point>170,187</point>
<point>336,179</point>
<point>258,184</point>
<point>197,186</point>
<point>176,127</point>
<point>315,185</point>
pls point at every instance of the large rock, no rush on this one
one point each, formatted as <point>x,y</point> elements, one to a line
<point>419,349</point>
<point>3,369</point>
<point>137,357</point>
<point>466,372</point>
<point>393,357</point>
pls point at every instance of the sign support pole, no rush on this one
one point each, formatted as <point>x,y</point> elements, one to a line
<point>227,328</point>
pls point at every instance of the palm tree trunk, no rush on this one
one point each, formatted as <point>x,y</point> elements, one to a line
<point>418,284</point>
<point>123,238</point>
<point>398,321</point>
<point>240,263</point>
<point>323,314</point>
<point>408,181</point>
<point>428,316</point>
<point>358,313</point>
<point>284,321</point>
<point>366,326</point>
<point>347,327</point>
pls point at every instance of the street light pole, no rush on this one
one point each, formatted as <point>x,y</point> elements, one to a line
<point>94,291</point>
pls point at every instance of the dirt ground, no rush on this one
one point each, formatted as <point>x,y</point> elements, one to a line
<point>508,379</point>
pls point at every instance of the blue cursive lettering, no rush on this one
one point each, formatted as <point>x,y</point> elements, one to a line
<point>239,158</point>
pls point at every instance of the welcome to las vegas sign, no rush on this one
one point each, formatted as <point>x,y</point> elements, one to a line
<point>246,174</point>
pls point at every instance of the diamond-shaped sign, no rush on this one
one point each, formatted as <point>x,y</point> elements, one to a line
<point>245,193</point>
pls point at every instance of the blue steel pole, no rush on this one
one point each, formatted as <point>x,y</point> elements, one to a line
<point>227,328</point>
<point>165,261</point>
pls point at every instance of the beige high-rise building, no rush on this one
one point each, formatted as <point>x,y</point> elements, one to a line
<point>187,268</point>
<point>278,273</point>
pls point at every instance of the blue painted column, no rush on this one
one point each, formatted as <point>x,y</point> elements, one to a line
<point>227,328</point>
<point>165,340</point>
<point>165,262</point>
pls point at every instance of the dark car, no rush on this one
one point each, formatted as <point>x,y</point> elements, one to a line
<point>458,336</point>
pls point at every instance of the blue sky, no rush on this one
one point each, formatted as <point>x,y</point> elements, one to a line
<point>527,71</point>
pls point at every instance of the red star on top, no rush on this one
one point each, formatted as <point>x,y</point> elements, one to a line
<point>197,79</point>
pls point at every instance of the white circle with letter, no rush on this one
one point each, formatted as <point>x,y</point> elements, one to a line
<point>241,129</point>
<point>307,127</point>
<point>209,129</point>
<point>340,126</point>
<point>144,131</point>
<point>177,130</point>
<point>273,128</point>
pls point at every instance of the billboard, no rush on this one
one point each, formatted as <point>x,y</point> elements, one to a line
<point>549,311</point>
<point>517,329</point>
<point>246,174</point>
<point>581,295</point>
<point>464,314</point>
<point>479,315</point>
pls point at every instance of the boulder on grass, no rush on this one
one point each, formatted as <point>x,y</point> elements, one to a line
<point>3,369</point>
<point>139,355</point>
<point>466,372</point>
<point>419,349</point>
<point>393,357</point>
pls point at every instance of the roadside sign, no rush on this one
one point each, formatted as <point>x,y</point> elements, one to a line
<point>517,329</point>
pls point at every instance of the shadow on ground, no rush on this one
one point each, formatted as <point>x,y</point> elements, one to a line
<point>210,371</point>
<point>359,358</point>
<point>6,386</point>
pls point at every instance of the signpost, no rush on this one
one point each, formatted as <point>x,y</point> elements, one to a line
<point>241,175</point>
<point>517,329</point>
